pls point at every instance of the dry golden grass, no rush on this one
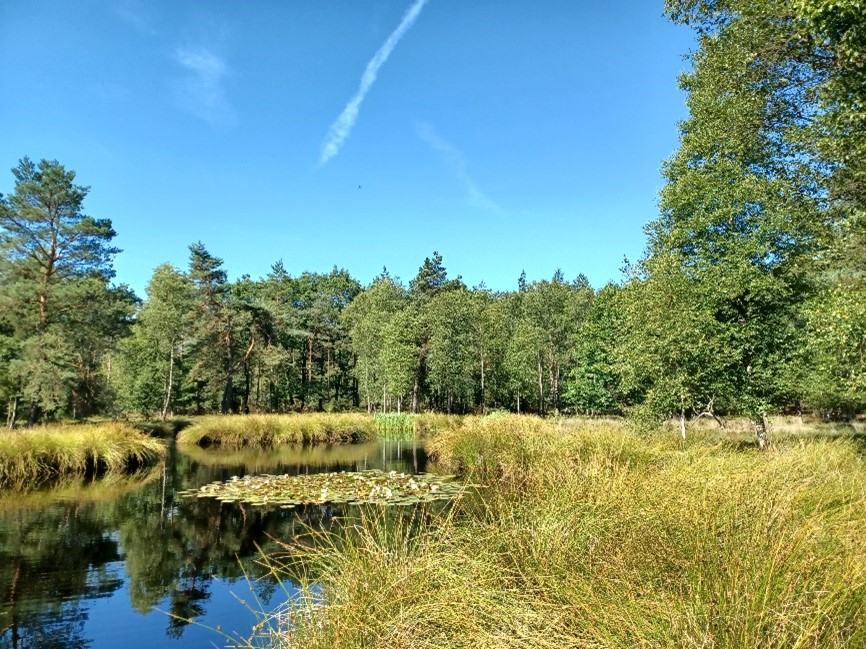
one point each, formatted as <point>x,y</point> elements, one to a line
<point>273,430</point>
<point>589,535</point>
<point>268,431</point>
<point>32,455</point>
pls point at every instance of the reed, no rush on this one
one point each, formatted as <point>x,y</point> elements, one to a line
<point>29,457</point>
<point>408,426</point>
<point>586,534</point>
<point>269,431</point>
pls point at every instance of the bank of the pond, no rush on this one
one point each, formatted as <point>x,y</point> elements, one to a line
<point>30,456</point>
<point>274,430</point>
<point>589,535</point>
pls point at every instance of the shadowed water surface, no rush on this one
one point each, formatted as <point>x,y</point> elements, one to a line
<point>126,562</point>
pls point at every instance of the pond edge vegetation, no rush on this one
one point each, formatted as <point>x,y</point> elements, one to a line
<point>273,430</point>
<point>33,456</point>
<point>589,534</point>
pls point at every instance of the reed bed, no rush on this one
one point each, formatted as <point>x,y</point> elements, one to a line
<point>585,534</point>
<point>29,457</point>
<point>269,431</point>
<point>408,426</point>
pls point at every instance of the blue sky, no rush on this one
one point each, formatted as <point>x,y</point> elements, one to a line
<point>508,135</point>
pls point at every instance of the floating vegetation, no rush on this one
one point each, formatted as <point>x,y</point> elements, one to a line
<point>351,488</point>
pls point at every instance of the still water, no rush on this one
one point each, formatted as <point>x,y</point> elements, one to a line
<point>127,563</point>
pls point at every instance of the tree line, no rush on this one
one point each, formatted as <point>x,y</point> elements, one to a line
<point>749,299</point>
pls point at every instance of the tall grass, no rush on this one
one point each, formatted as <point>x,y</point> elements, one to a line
<point>31,456</point>
<point>588,535</point>
<point>407,426</point>
<point>267,431</point>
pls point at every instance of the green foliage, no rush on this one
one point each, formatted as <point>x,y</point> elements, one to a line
<point>368,318</point>
<point>432,279</point>
<point>754,197</point>
<point>153,363</point>
<point>57,304</point>
<point>451,354</point>
<point>836,381</point>
<point>395,426</point>
<point>594,386</point>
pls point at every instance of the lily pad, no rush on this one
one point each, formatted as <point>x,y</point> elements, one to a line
<point>387,488</point>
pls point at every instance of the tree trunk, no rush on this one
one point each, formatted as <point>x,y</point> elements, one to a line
<point>415,394</point>
<point>167,401</point>
<point>35,413</point>
<point>228,394</point>
<point>683,418</point>
<point>762,427</point>
<point>247,386</point>
<point>556,388</point>
<point>482,382</point>
<point>540,386</point>
<point>13,412</point>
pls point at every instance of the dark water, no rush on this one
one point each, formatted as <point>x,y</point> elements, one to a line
<point>126,563</point>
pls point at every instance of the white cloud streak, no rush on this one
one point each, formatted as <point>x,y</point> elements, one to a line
<point>135,14</point>
<point>202,92</point>
<point>342,126</point>
<point>457,161</point>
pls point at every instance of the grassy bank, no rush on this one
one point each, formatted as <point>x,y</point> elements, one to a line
<point>31,456</point>
<point>269,431</point>
<point>587,535</point>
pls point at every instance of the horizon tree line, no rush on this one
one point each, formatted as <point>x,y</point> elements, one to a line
<point>750,297</point>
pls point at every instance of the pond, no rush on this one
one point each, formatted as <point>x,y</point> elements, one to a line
<point>129,562</point>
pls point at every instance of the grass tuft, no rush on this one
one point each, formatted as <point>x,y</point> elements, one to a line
<point>31,456</point>
<point>269,431</point>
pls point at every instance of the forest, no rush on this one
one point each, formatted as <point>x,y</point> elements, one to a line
<point>750,297</point>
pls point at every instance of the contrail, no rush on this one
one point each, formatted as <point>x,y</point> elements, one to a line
<point>342,126</point>
<point>457,161</point>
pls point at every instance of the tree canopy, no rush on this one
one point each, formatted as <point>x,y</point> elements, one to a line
<point>748,299</point>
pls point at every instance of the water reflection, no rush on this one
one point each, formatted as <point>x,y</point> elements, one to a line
<point>81,562</point>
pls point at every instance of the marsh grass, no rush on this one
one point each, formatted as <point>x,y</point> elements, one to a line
<point>167,428</point>
<point>589,535</point>
<point>30,457</point>
<point>271,430</point>
<point>409,426</point>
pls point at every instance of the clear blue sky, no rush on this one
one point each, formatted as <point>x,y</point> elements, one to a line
<point>507,135</point>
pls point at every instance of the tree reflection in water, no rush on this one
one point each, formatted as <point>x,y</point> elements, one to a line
<point>137,536</point>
